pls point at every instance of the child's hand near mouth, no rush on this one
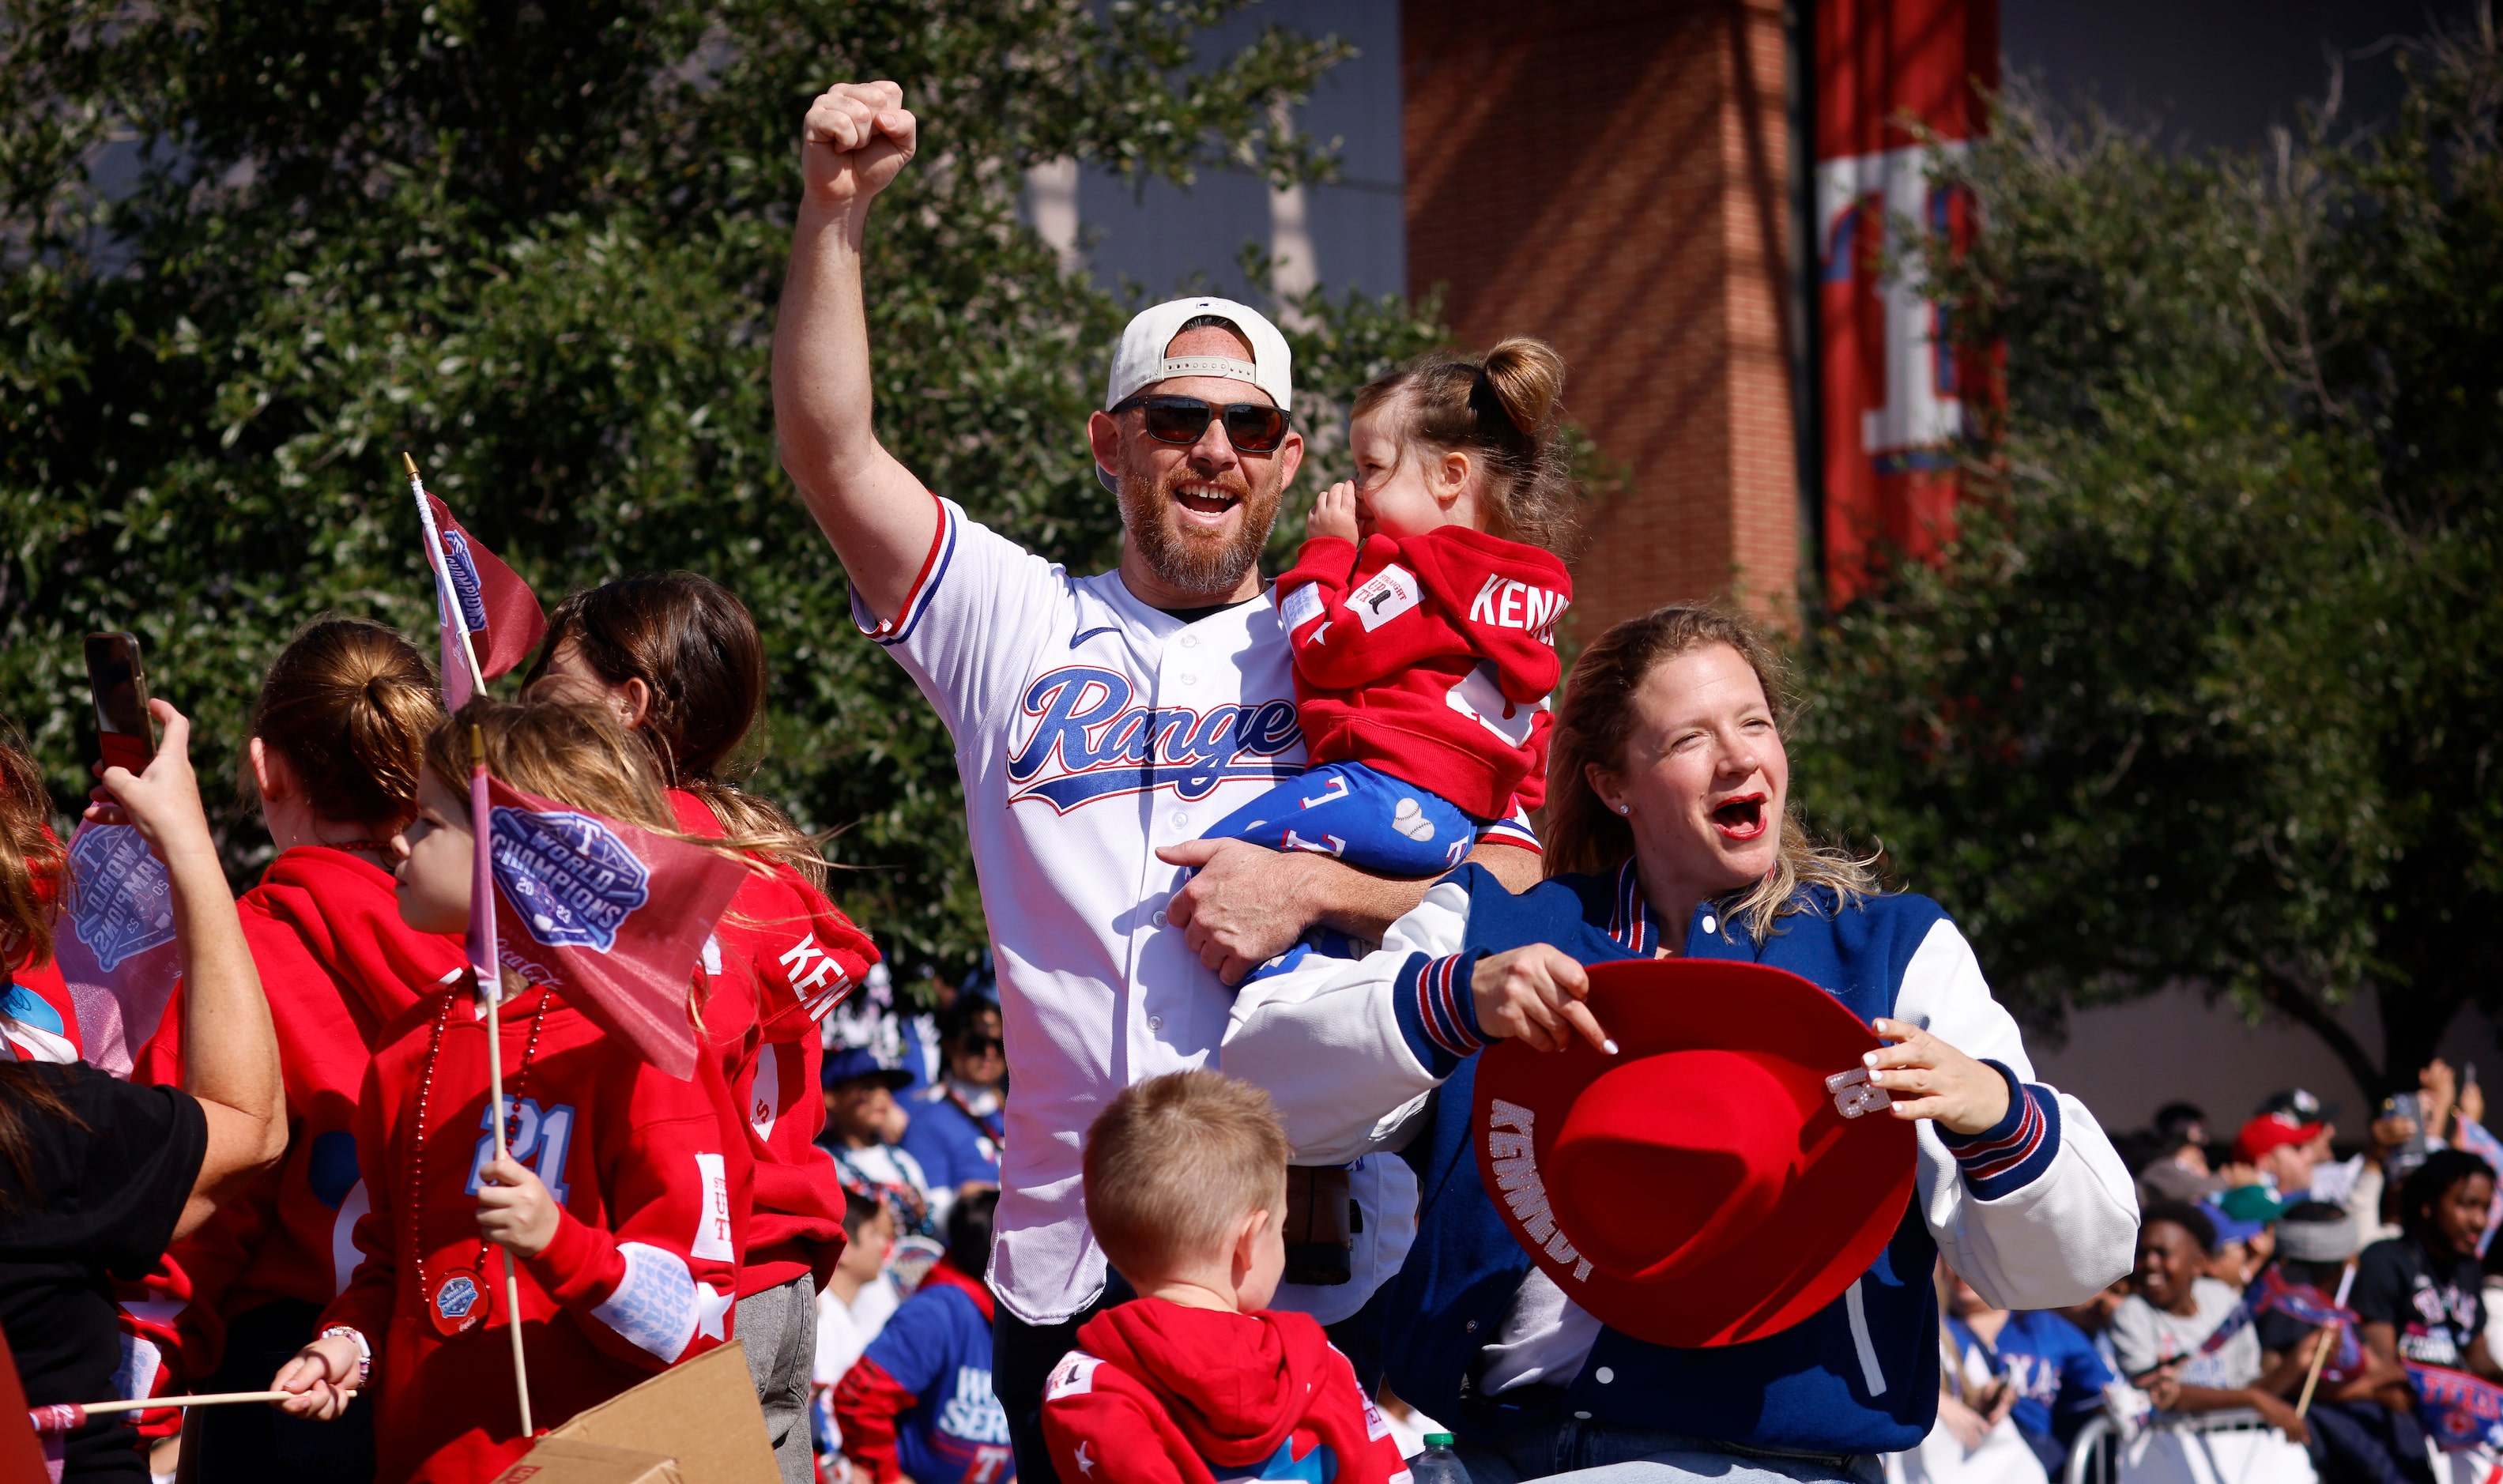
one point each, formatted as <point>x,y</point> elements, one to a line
<point>1334,514</point>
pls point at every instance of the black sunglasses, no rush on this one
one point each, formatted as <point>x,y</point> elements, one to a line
<point>1253,428</point>
<point>976,1044</point>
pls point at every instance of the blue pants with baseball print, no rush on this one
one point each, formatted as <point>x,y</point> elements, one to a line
<point>1366,818</point>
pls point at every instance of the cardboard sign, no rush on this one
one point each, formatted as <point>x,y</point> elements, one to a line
<point>572,1460</point>
<point>703,1415</point>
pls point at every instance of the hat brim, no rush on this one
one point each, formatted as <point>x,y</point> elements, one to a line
<point>1842,1203</point>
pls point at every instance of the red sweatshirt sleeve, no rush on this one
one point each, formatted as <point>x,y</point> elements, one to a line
<point>808,955</point>
<point>866,1404</point>
<point>1354,616</point>
<point>659,1289</point>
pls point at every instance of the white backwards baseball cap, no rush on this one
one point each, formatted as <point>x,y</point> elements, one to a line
<point>1140,360</point>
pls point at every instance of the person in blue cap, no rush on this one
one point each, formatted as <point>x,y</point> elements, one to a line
<point>860,1111</point>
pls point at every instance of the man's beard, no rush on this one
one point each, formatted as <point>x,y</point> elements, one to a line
<point>1196,562</point>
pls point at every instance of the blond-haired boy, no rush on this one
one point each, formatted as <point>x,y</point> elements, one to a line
<point>1197,1379</point>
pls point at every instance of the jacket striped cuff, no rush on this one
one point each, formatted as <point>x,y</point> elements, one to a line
<point>1437,1013</point>
<point>2013,1154</point>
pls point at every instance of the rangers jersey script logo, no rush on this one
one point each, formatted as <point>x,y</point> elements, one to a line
<point>1079,740</point>
<point>573,880</point>
<point>121,903</point>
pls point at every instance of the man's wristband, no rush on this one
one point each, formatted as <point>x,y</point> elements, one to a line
<point>364,1352</point>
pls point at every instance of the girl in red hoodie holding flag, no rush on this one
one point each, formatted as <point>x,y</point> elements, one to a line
<point>621,1203</point>
<point>679,660</point>
<point>337,741</point>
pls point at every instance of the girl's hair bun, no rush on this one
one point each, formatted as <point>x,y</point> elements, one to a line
<point>1506,412</point>
<point>348,703</point>
<point>1522,378</point>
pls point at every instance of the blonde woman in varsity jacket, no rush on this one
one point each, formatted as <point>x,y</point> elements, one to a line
<point>1668,837</point>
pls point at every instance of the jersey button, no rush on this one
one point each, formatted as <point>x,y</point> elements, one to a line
<point>1158,920</point>
<point>1155,1023</point>
<point>1181,821</point>
<point>1190,641</point>
<point>1189,677</point>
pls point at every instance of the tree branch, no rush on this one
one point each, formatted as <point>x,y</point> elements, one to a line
<point>2298,1005</point>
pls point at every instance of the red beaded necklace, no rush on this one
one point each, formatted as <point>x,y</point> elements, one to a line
<point>457,1300</point>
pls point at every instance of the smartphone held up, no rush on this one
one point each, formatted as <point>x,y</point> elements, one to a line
<point>124,731</point>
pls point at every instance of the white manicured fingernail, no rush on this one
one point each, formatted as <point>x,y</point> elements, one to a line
<point>1610,1047</point>
<point>1869,1059</point>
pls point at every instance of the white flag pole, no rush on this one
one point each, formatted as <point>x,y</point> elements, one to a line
<point>491,990</point>
<point>447,601</point>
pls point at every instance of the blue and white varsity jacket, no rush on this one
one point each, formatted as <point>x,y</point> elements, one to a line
<point>1380,1054</point>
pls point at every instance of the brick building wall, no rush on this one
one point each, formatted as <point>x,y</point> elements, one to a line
<point>1612,176</point>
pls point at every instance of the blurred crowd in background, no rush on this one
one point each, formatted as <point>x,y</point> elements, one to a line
<point>2305,1300</point>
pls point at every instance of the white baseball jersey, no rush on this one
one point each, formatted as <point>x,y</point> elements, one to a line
<point>1090,731</point>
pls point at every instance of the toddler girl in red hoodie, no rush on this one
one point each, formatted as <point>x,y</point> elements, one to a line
<point>622,1204</point>
<point>1196,1379</point>
<point>1422,612</point>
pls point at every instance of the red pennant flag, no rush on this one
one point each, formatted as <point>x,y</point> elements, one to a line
<point>612,914</point>
<point>497,608</point>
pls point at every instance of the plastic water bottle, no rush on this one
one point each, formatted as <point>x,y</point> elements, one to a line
<point>1439,1464</point>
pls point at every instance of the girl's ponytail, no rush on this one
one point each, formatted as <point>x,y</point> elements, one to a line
<point>348,703</point>
<point>1504,412</point>
<point>1519,383</point>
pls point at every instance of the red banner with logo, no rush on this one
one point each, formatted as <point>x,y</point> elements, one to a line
<point>1893,391</point>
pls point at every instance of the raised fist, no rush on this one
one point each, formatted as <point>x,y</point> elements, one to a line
<point>855,140</point>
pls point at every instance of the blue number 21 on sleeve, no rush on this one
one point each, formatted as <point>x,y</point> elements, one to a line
<point>539,1139</point>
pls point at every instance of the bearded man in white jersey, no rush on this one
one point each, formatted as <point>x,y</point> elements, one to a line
<point>1101,723</point>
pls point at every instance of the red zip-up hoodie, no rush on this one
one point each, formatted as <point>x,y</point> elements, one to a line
<point>1430,659</point>
<point>785,956</point>
<point>1157,1393</point>
<point>645,1267</point>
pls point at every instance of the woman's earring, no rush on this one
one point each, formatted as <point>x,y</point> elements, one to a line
<point>1625,808</point>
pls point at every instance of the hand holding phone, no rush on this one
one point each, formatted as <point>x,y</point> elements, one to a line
<point>161,801</point>
<point>119,683</point>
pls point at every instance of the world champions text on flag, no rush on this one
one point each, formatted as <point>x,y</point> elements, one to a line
<point>614,915</point>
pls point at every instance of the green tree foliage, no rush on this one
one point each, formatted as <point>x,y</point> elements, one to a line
<point>2208,690</point>
<point>539,244</point>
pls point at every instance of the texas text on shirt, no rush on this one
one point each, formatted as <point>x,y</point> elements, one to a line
<point>1090,731</point>
<point>2033,1213</point>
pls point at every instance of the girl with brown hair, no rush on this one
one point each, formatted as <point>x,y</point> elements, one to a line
<point>677,660</point>
<point>97,1176</point>
<point>1670,836</point>
<point>338,737</point>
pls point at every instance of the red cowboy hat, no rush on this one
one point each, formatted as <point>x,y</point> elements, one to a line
<point>1700,1186</point>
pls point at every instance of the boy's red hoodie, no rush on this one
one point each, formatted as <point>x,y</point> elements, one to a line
<point>1159,1392</point>
<point>1430,659</point>
<point>645,1267</point>
<point>782,956</point>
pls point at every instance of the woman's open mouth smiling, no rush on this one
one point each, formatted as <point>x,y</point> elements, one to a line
<point>1741,818</point>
